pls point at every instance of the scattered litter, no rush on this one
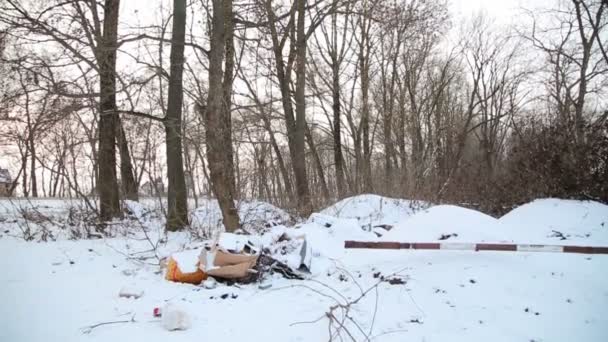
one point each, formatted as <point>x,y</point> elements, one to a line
<point>128,272</point>
<point>222,264</point>
<point>174,318</point>
<point>174,273</point>
<point>396,281</point>
<point>128,292</point>
<point>559,235</point>
<point>265,285</point>
<point>384,226</point>
<point>447,236</point>
<point>242,263</point>
<point>210,283</point>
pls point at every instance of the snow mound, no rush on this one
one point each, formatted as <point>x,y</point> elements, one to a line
<point>374,209</point>
<point>445,222</point>
<point>558,221</point>
<point>256,216</point>
<point>327,234</point>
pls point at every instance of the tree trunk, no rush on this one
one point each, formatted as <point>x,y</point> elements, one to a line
<point>337,130</point>
<point>299,163</point>
<point>295,125</point>
<point>364,50</point>
<point>127,175</point>
<point>177,205</point>
<point>217,114</point>
<point>33,182</point>
<point>226,118</point>
<point>318,164</point>
<point>107,185</point>
<point>280,160</point>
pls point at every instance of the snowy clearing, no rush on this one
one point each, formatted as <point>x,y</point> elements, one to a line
<point>59,290</point>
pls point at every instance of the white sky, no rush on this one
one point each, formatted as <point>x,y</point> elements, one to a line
<point>503,11</point>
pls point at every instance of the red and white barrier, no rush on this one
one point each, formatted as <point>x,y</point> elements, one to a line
<point>458,246</point>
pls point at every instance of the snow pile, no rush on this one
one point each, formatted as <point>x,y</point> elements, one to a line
<point>373,209</point>
<point>558,221</point>
<point>444,295</point>
<point>256,216</point>
<point>544,221</point>
<point>326,235</point>
<point>446,222</point>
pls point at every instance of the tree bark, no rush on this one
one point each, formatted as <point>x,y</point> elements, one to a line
<point>33,182</point>
<point>107,185</point>
<point>364,52</point>
<point>217,114</point>
<point>337,131</point>
<point>127,175</point>
<point>177,205</point>
<point>318,164</point>
<point>299,163</point>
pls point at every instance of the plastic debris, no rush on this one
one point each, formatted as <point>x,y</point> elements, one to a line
<point>174,318</point>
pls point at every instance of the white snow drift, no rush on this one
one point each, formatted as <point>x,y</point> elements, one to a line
<point>55,291</point>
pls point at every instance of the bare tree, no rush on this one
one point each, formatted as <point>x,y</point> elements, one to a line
<point>574,48</point>
<point>218,112</point>
<point>334,48</point>
<point>177,204</point>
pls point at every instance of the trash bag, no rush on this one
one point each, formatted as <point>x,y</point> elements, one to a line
<point>176,275</point>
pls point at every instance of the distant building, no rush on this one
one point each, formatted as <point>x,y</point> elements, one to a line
<point>6,181</point>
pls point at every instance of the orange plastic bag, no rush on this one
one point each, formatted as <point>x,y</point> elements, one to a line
<point>175,274</point>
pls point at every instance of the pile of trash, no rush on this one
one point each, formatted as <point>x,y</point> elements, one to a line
<point>243,259</point>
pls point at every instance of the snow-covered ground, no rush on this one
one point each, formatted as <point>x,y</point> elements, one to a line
<point>57,290</point>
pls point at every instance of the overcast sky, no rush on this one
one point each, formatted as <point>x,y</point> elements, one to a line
<point>502,10</point>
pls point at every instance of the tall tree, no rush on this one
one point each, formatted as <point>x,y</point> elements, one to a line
<point>177,204</point>
<point>107,184</point>
<point>217,115</point>
<point>364,41</point>
<point>335,44</point>
<point>299,161</point>
<point>296,33</point>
